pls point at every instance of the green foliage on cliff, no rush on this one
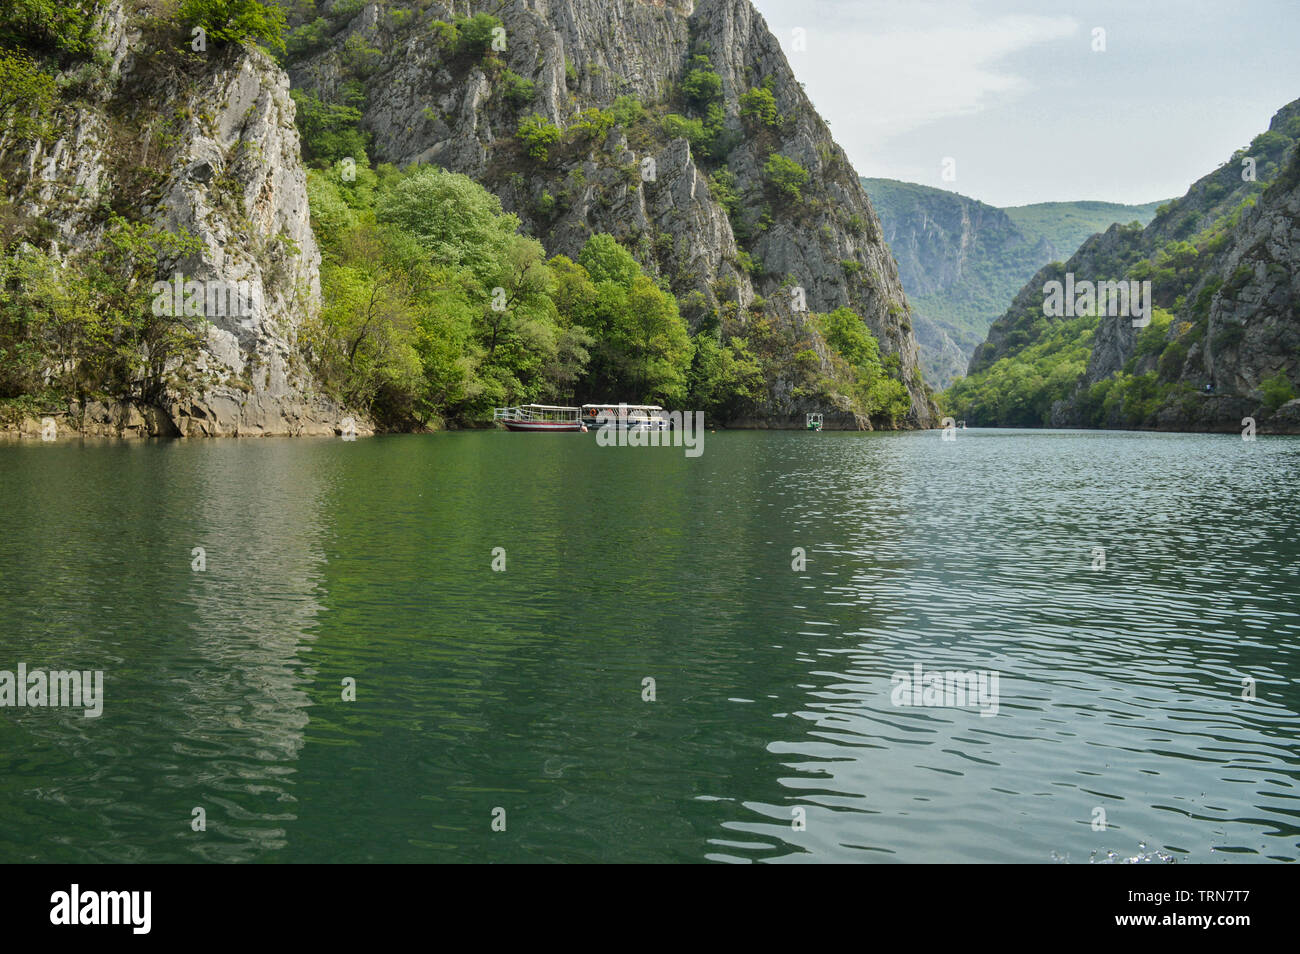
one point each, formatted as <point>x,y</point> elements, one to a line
<point>538,134</point>
<point>1181,252</point>
<point>758,106</point>
<point>82,328</point>
<point>1020,389</point>
<point>1277,390</point>
<point>436,308</point>
<point>785,176</point>
<point>236,21</point>
<point>329,131</point>
<point>864,377</point>
<point>676,126</point>
<point>701,94</point>
<point>27,94</point>
<point>592,124</point>
<point>628,111</point>
<point>50,26</point>
<point>476,33</point>
<point>701,87</point>
<point>518,91</point>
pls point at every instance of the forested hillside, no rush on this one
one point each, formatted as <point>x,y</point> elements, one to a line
<point>1224,339</point>
<point>961,261</point>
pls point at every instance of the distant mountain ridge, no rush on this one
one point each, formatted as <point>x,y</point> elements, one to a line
<point>961,260</point>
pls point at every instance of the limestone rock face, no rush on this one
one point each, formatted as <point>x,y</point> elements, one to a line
<point>239,186</point>
<point>425,106</point>
<point>1255,314</point>
<point>229,173</point>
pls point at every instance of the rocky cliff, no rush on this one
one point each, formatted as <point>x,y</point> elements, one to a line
<point>1224,344</point>
<point>705,216</point>
<point>962,260</point>
<point>726,184</point>
<point>202,144</point>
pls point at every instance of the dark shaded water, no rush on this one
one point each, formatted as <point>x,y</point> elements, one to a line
<point>1119,689</point>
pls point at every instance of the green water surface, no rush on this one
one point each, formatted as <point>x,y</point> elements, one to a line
<point>772,734</point>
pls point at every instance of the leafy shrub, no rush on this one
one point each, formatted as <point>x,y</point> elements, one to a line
<point>309,36</point>
<point>592,124</point>
<point>476,33</point>
<point>722,184</point>
<point>236,21</point>
<point>676,126</point>
<point>329,130</point>
<point>786,176</point>
<point>517,90</point>
<point>445,35</point>
<point>758,106</point>
<point>627,111</point>
<point>358,57</point>
<point>53,25</point>
<point>538,134</point>
<point>1277,390</point>
<point>27,96</point>
<point>701,86</point>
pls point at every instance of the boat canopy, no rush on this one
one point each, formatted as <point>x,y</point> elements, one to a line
<point>630,407</point>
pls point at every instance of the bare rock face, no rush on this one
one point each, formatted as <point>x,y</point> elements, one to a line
<point>1255,314</point>
<point>231,176</point>
<point>238,185</point>
<point>426,106</point>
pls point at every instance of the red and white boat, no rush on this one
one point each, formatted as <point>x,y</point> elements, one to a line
<point>539,417</point>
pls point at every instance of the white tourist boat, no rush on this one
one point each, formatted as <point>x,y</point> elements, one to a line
<point>646,417</point>
<point>539,417</point>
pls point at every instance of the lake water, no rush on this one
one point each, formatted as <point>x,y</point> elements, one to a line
<point>520,696</point>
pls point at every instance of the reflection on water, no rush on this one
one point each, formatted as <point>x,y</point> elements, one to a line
<point>771,735</point>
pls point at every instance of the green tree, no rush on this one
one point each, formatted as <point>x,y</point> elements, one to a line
<point>786,176</point>
<point>458,221</point>
<point>538,134</point>
<point>329,130</point>
<point>701,85</point>
<point>236,21</point>
<point>477,33</point>
<point>643,344</point>
<point>874,391</point>
<point>27,97</point>
<point>627,111</point>
<point>592,124</point>
<point>607,261</point>
<point>50,25</point>
<point>84,327</point>
<point>518,91</point>
<point>1277,390</point>
<point>725,378</point>
<point>758,107</point>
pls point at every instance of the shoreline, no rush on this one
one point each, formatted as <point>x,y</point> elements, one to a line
<point>29,431</point>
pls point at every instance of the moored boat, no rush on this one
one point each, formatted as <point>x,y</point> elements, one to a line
<point>647,417</point>
<point>538,417</point>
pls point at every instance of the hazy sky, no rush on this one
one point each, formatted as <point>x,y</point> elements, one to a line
<point>1013,91</point>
